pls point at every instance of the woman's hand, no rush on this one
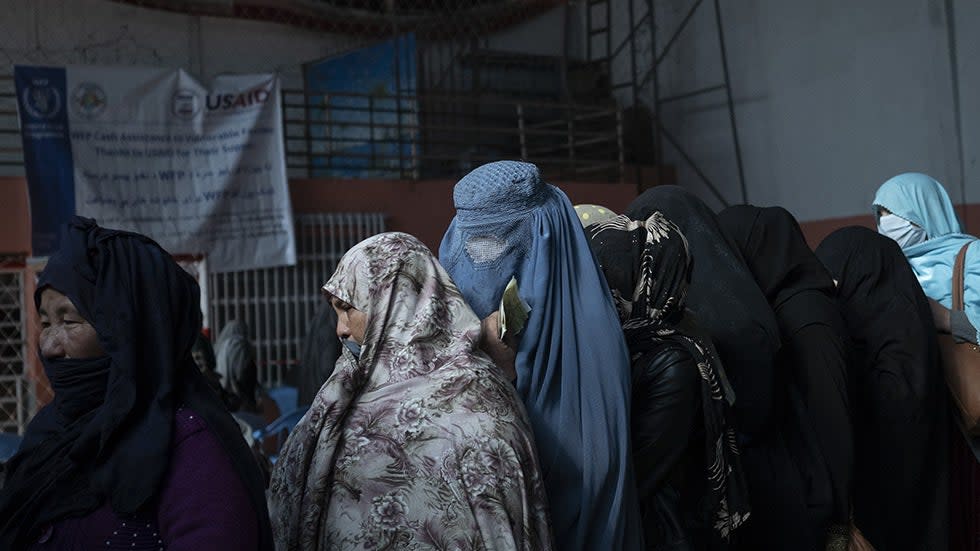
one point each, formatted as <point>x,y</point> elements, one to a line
<point>940,316</point>
<point>858,541</point>
<point>502,352</point>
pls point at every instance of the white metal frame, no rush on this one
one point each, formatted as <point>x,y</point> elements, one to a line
<point>278,303</point>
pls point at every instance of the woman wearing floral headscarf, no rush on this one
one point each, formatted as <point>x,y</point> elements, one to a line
<point>419,441</point>
<point>692,492</point>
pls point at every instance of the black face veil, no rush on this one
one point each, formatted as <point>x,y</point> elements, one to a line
<point>106,435</point>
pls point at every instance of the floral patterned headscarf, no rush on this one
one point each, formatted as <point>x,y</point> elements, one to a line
<point>419,359</point>
<point>416,316</point>
<point>648,267</point>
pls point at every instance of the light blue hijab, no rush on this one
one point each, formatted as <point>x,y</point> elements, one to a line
<point>923,201</point>
<point>573,368</point>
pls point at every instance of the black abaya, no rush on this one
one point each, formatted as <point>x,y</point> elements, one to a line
<point>815,355</point>
<point>899,401</point>
<point>734,311</point>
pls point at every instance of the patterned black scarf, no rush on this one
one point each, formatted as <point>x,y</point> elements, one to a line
<point>648,267</point>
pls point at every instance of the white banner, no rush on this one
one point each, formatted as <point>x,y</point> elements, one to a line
<point>199,169</point>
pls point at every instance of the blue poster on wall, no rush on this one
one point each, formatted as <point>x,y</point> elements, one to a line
<point>43,107</point>
<point>364,114</point>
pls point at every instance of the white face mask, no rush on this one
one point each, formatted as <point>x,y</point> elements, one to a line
<point>904,233</point>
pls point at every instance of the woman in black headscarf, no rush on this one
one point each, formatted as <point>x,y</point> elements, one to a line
<point>735,313</point>
<point>134,450</point>
<point>726,301</point>
<point>689,474</point>
<point>814,357</point>
<point>899,399</point>
<point>203,354</point>
<point>318,355</point>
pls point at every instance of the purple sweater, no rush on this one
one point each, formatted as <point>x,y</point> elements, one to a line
<point>202,505</point>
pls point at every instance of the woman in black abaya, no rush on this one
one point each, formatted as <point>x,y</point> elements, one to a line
<point>814,359</point>
<point>899,399</point>
<point>734,311</point>
<point>727,302</point>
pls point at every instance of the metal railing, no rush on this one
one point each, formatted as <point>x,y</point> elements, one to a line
<point>436,136</point>
<point>17,404</point>
<point>358,135</point>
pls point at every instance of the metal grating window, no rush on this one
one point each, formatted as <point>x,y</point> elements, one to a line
<point>15,408</point>
<point>278,303</point>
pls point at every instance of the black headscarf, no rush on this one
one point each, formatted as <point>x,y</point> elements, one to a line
<point>647,267</point>
<point>726,301</point>
<point>319,353</point>
<point>796,283</point>
<point>202,345</point>
<point>900,409</point>
<point>106,435</point>
<point>802,294</point>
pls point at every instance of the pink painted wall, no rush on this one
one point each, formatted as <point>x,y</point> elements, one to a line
<point>15,219</point>
<point>424,208</point>
<point>816,230</point>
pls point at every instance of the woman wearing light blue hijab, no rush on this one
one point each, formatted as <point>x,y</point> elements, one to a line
<point>572,365</point>
<point>915,211</point>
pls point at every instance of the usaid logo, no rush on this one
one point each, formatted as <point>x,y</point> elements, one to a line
<point>185,104</point>
<point>41,99</point>
<point>227,102</point>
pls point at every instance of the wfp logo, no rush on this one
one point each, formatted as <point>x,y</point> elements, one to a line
<point>41,99</point>
<point>185,104</point>
<point>89,100</point>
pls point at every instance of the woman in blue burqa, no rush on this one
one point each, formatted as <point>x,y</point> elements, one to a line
<point>570,362</point>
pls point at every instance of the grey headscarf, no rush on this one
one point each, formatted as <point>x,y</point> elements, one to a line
<point>236,363</point>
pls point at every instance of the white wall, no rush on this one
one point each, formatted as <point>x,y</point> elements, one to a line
<point>831,97</point>
<point>967,19</point>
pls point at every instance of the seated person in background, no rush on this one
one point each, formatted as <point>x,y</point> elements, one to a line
<point>203,354</point>
<point>689,474</point>
<point>570,364</point>
<point>915,211</point>
<point>899,399</point>
<point>134,450</point>
<point>813,361</point>
<point>240,376</point>
<point>420,441</point>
